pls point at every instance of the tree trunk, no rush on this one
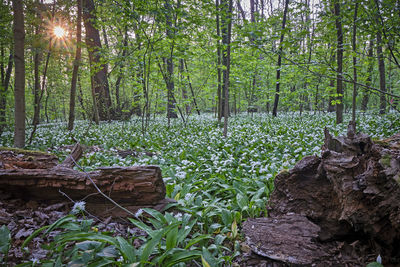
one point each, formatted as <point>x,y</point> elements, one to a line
<point>99,79</point>
<point>3,92</point>
<point>19,79</point>
<point>36,176</point>
<point>171,113</point>
<point>220,96</point>
<point>340,209</point>
<point>364,102</point>
<point>226,21</point>
<point>278,71</point>
<point>382,78</point>
<point>191,88</point>
<point>39,95</point>
<point>339,55</point>
<point>183,86</point>
<point>36,89</point>
<point>331,106</point>
<point>120,73</point>
<point>75,69</point>
<point>354,41</point>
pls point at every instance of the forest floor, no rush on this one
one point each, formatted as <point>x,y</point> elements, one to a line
<point>217,183</point>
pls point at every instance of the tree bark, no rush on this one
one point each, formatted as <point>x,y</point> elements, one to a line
<point>331,106</point>
<point>183,86</point>
<point>3,92</point>
<point>19,80</point>
<point>99,80</point>
<point>339,57</point>
<point>171,113</point>
<point>191,88</point>
<point>226,21</point>
<point>354,41</point>
<point>75,69</point>
<point>120,73</point>
<point>340,209</point>
<point>382,77</point>
<point>220,96</point>
<point>279,63</point>
<point>364,102</point>
<point>37,176</point>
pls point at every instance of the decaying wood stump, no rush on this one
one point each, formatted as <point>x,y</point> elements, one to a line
<point>37,176</point>
<point>340,209</point>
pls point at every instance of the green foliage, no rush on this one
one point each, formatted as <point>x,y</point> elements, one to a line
<point>218,183</point>
<point>5,243</point>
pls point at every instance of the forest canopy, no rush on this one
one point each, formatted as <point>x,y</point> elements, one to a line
<point>109,60</point>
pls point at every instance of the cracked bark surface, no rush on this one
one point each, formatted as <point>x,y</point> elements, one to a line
<point>342,208</point>
<point>36,176</point>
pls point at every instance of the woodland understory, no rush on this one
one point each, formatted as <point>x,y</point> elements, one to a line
<point>222,95</point>
<point>217,182</point>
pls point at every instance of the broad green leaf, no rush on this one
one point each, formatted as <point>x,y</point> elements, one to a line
<point>183,256</point>
<point>5,240</point>
<point>154,241</point>
<point>127,250</point>
<point>171,238</point>
<point>197,240</point>
<point>242,201</point>
<point>204,262</point>
<point>88,245</point>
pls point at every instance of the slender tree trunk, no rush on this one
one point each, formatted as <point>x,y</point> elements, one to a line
<point>382,78</point>
<point>19,79</point>
<point>364,102</point>
<point>75,69</point>
<point>183,85</point>
<point>120,73</point>
<point>220,97</point>
<point>226,22</point>
<point>339,55</point>
<point>5,81</point>
<point>36,115</point>
<point>171,113</point>
<point>331,106</point>
<point>80,98</point>
<point>354,41</point>
<point>101,91</point>
<point>37,87</point>
<point>191,88</point>
<point>2,62</point>
<point>278,71</point>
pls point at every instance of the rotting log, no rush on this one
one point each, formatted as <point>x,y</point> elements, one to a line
<point>340,209</point>
<point>37,176</point>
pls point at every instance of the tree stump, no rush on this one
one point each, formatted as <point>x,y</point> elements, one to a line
<point>36,176</point>
<point>342,208</point>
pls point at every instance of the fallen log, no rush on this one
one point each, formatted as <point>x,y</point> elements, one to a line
<point>340,209</point>
<point>37,176</point>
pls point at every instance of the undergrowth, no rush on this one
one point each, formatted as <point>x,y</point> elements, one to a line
<point>217,182</point>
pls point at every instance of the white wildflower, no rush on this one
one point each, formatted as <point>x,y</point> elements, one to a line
<point>138,213</point>
<point>78,207</point>
<point>379,259</point>
<point>181,175</point>
<point>188,196</point>
<point>178,216</point>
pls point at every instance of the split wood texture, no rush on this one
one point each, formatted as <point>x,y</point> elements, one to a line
<point>37,176</point>
<point>340,209</point>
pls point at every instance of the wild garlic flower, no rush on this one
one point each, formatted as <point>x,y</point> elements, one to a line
<point>78,207</point>
<point>138,213</point>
